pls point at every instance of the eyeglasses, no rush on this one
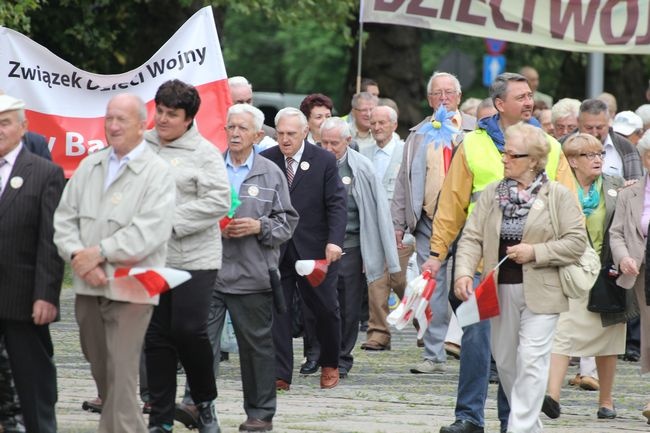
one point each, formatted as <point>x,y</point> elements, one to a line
<point>364,110</point>
<point>447,93</point>
<point>508,155</point>
<point>591,155</point>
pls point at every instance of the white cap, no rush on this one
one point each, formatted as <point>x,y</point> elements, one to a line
<point>9,103</point>
<point>626,122</point>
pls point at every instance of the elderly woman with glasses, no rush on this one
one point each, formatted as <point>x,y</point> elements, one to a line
<point>628,242</point>
<point>513,218</point>
<point>579,331</point>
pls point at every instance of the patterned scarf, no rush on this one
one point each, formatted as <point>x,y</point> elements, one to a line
<point>515,204</point>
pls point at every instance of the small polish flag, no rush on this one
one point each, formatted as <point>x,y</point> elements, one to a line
<point>482,304</point>
<point>154,280</point>
<point>314,270</point>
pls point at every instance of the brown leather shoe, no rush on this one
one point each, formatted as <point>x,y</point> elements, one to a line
<point>187,414</point>
<point>282,385</point>
<point>255,425</point>
<point>589,383</point>
<point>575,381</point>
<point>374,346</point>
<point>329,377</point>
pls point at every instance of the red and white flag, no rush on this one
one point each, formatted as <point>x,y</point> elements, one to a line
<point>314,270</point>
<point>482,304</point>
<point>67,105</point>
<point>153,281</point>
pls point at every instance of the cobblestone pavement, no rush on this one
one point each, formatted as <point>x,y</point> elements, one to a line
<point>380,395</point>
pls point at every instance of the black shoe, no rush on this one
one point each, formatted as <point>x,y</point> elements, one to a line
<point>343,372</point>
<point>309,367</point>
<point>462,426</point>
<point>605,413</point>
<point>208,422</point>
<point>158,429</point>
<point>363,326</point>
<point>94,405</point>
<point>631,356</point>
<point>551,407</point>
<point>187,414</point>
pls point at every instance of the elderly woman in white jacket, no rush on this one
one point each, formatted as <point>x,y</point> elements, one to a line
<point>512,217</point>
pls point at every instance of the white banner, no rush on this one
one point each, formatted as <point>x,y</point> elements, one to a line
<point>608,26</point>
<point>67,104</point>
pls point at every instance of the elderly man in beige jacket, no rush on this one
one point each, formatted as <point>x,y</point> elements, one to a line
<point>116,211</point>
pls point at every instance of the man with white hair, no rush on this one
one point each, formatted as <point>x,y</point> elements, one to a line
<point>418,183</point>
<point>386,156</point>
<point>241,92</point>
<point>564,117</point>
<point>368,244</point>
<point>318,195</point>
<point>30,188</point>
<point>263,221</point>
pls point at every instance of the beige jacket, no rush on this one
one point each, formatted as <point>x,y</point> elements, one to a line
<point>480,239</point>
<point>131,220</point>
<point>625,234</point>
<point>202,199</point>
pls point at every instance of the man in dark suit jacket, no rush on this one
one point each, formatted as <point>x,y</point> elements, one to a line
<point>318,195</point>
<point>30,269</point>
<point>37,144</point>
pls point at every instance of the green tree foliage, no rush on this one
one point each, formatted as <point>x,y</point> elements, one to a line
<point>14,13</point>
<point>296,58</point>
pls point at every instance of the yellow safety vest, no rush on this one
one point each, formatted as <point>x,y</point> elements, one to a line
<point>484,161</point>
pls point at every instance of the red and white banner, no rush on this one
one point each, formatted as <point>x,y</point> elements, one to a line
<point>67,104</point>
<point>607,26</point>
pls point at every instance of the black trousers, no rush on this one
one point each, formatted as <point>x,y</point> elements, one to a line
<point>30,353</point>
<point>322,302</point>
<point>350,287</point>
<point>179,330</point>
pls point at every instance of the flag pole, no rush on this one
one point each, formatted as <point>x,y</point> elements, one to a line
<point>501,261</point>
<point>360,48</point>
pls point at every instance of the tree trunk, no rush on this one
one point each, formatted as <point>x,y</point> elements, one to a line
<point>391,57</point>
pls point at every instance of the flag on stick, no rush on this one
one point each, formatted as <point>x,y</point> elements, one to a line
<point>483,303</point>
<point>415,303</point>
<point>153,280</point>
<point>314,270</point>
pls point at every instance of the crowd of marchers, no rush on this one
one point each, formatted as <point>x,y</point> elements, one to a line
<point>513,183</point>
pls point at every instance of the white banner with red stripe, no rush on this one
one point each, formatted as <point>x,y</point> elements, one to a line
<point>67,104</point>
<point>607,26</point>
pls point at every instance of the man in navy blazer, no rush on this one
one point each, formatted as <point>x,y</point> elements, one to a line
<point>30,269</point>
<point>318,195</point>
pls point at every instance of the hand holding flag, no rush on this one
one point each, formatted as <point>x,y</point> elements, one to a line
<point>314,270</point>
<point>415,303</point>
<point>483,303</point>
<point>234,204</point>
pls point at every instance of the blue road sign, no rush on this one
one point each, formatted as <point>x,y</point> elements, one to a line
<point>492,66</point>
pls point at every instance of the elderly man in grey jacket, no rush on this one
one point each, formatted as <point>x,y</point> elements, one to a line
<point>116,211</point>
<point>369,243</point>
<point>415,199</point>
<point>251,251</point>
